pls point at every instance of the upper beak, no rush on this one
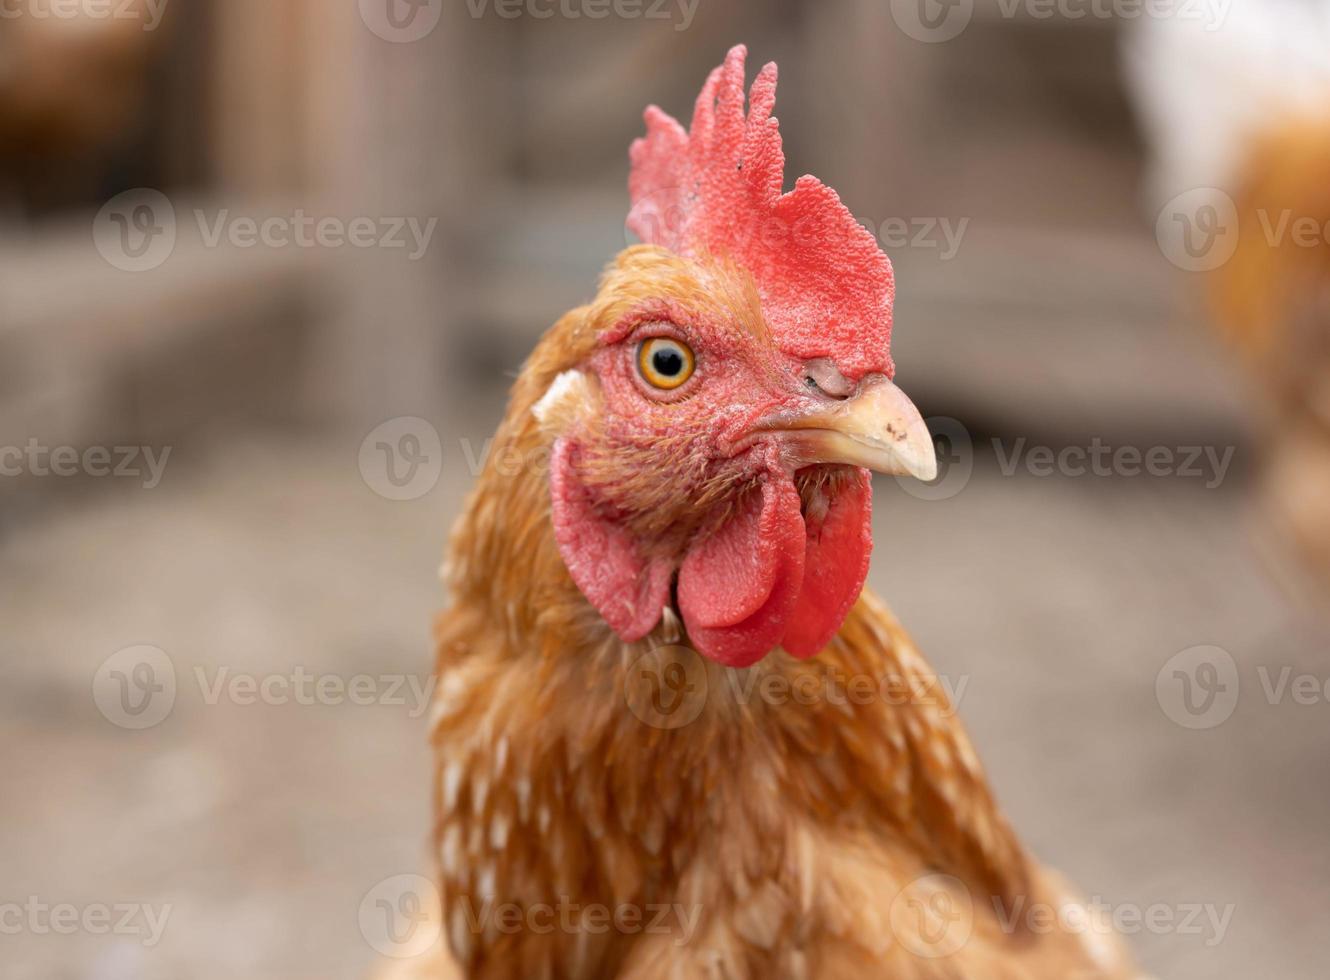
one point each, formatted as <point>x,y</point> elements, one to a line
<point>877,428</point>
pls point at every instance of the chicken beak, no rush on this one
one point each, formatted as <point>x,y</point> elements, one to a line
<point>877,428</point>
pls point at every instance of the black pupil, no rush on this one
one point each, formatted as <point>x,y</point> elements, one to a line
<point>667,362</point>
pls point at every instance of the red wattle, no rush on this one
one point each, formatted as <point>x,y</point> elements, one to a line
<point>628,592</point>
<point>738,588</point>
<point>839,547</point>
<point>765,579</point>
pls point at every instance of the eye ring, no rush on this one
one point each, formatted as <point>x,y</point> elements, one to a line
<point>665,363</point>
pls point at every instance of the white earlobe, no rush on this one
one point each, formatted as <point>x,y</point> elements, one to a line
<point>563,403</point>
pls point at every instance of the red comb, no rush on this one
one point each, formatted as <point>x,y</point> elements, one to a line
<point>826,287</point>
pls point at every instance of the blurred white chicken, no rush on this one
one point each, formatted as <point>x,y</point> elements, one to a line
<point>1236,110</point>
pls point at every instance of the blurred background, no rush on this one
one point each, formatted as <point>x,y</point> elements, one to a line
<point>267,269</point>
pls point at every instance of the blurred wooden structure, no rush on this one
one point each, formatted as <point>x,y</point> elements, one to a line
<point>513,133</point>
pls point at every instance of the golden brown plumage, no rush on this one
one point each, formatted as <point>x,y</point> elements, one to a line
<point>1272,298</point>
<point>821,818</point>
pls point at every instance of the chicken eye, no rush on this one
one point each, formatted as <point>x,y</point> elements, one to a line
<point>665,363</point>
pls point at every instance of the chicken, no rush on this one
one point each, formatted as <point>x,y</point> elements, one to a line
<point>675,738</point>
<point>1243,110</point>
<point>1273,300</point>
